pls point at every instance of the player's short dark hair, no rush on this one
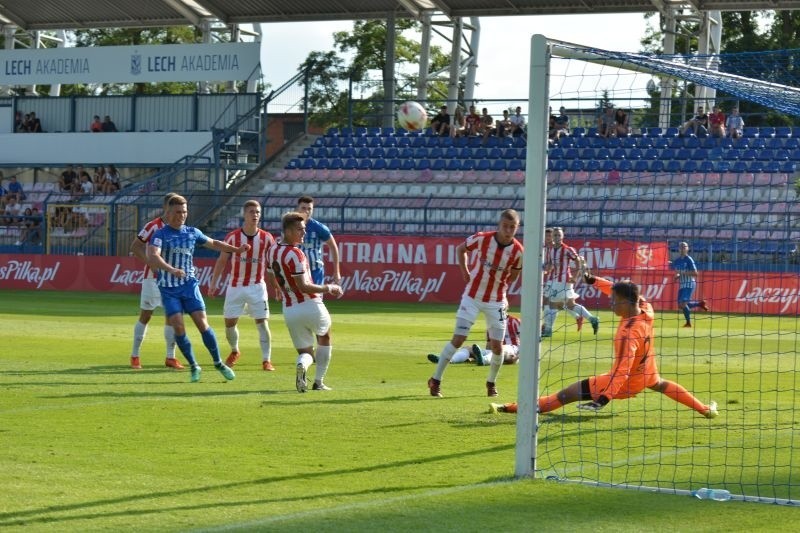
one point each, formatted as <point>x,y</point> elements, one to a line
<point>291,218</point>
<point>305,200</point>
<point>626,290</point>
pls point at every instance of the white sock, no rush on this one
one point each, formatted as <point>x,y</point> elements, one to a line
<point>494,367</point>
<point>305,360</point>
<point>232,334</point>
<point>582,311</point>
<point>323,361</point>
<point>169,338</point>
<point>265,339</point>
<point>574,311</point>
<point>139,331</point>
<point>444,360</point>
<point>550,318</point>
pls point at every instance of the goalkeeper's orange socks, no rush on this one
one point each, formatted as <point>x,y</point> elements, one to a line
<point>683,396</point>
<point>549,403</point>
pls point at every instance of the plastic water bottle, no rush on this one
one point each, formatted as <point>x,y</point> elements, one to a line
<point>718,495</point>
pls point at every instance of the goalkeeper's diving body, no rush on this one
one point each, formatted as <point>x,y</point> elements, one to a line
<point>634,368</point>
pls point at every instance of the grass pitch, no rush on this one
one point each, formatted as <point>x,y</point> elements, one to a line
<point>91,445</point>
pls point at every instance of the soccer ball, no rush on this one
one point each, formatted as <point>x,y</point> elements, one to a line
<point>412,116</point>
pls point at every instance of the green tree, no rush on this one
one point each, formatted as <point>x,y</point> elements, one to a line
<point>366,68</point>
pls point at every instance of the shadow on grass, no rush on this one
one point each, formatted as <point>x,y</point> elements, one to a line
<point>37,515</point>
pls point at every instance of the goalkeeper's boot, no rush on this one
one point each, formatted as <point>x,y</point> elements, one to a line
<point>712,411</point>
<point>496,408</point>
<point>595,322</point>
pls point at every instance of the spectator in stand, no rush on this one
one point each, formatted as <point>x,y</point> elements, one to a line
<point>67,180</point>
<point>472,122</point>
<point>440,124</point>
<point>487,124</point>
<point>108,125</point>
<point>503,125</point>
<point>716,122</point>
<point>3,193</point>
<point>605,122</point>
<point>96,126</point>
<point>552,130</point>
<point>698,124</point>
<point>13,187</point>
<point>19,123</point>
<point>735,124</point>
<point>12,212</point>
<point>458,128</point>
<point>86,188</point>
<point>113,181</point>
<point>99,179</point>
<point>562,122</point>
<point>34,125</point>
<point>621,127</point>
<point>31,227</point>
<point>517,123</point>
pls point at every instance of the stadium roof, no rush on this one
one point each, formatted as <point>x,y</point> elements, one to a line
<point>74,14</point>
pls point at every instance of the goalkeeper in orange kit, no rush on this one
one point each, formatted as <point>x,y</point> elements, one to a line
<point>634,368</point>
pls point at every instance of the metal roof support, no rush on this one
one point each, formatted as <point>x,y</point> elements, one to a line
<point>387,118</point>
<point>667,83</point>
<point>424,58</point>
<point>455,67</point>
<point>472,61</point>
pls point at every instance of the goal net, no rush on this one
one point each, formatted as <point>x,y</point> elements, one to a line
<point>627,191</point>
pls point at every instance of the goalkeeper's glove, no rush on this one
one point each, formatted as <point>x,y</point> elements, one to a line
<point>594,405</point>
<point>588,278</point>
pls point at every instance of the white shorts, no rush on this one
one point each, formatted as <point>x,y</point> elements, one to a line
<point>252,298</point>
<point>546,288</point>
<point>150,297</point>
<point>305,321</point>
<point>494,313</point>
<point>561,292</point>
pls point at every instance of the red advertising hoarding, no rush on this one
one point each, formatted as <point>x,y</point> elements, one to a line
<point>416,269</point>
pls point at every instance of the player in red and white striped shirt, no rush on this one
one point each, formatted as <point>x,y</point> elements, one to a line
<point>246,288</point>
<point>565,267</point>
<point>305,314</point>
<point>489,262</point>
<point>150,297</point>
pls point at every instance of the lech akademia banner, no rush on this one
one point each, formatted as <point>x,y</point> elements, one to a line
<point>130,64</point>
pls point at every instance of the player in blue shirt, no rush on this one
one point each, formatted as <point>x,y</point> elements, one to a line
<point>687,282</point>
<point>318,234</point>
<point>170,252</point>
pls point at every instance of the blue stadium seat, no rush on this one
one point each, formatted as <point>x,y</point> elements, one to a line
<point>657,166</point>
<point>423,164</point>
<point>521,142</point>
<point>630,142</point>
<point>676,142</point>
<point>578,132</point>
<point>318,163</point>
<point>366,164</point>
<point>483,164</point>
<point>403,142</point>
<point>307,152</point>
<point>691,142</point>
<point>585,153</point>
<point>707,166</point>
<point>563,142</point>
<point>673,165</point>
<point>420,153</point>
<point>336,164</point>
<point>591,132</point>
<point>432,141</point>
<point>640,166</point>
<point>454,164</point>
<point>495,153</point>
<point>613,142</point>
<point>418,142</point>
<point>385,132</point>
<point>739,166</point>
<point>592,165</point>
<point>392,152</point>
<point>715,153</point>
<point>468,164</point>
<point>749,131</point>
<point>451,152</point>
<point>683,153</point>
<point>672,132</point>
<point>650,154</point>
<point>625,165</point>
<point>758,143</point>
<point>619,154</point>
<point>394,164</point>
<point>345,132</point>
<point>436,153</point>
<point>438,164</point>
<point>607,165</point>
<point>772,166</point>
<point>576,165</point>
<point>408,164</point>
<point>766,131</point>
<point>794,155</point>
<point>561,165</point>
<point>460,142</point>
<point>689,165</point>
<point>388,141</point>
<point>335,151</point>
<point>465,153</point>
<point>293,163</point>
<point>791,143</point>
<point>774,143</point>
<point>583,142</point>
<point>700,154</point>
<point>515,164</point>
<point>511,153</point>
<point>732,154</point>
<point>360,131</point>
<point>555,153</point>
<point>499,164</point>
<point>480,153</point>
<point>358,142</point>
<point>660,143</point>
<point>653,132</point>
<point>504,142</point>
<point>365,152</point>
<point>474,141</point>
<point>722,166</point>
<point>788,166</point>
<point>765,154</point>
<point>598,142</point>
<point>571,153</point>
<point>748,155</point>
<point>400,132</point>
<point>347,151</point>
<point>783,132</point>
<point>379,164</point>
<point>781,155</point>
<point>667,154</point>
<point>755,166</point>
<point>378,152</point>
<point>350,163</point>
<point>602,153</point>
<point>332,132</point>
<point>406,153</point>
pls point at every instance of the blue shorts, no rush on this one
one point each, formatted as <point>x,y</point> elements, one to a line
<point>183,299</point>
<point>685,294</point>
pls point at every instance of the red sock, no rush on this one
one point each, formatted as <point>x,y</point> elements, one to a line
<point>510,408</point>
<point>681,395</point>
<point>549,403</point>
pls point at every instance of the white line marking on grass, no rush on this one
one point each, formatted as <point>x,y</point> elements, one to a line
<point>353,506</point>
